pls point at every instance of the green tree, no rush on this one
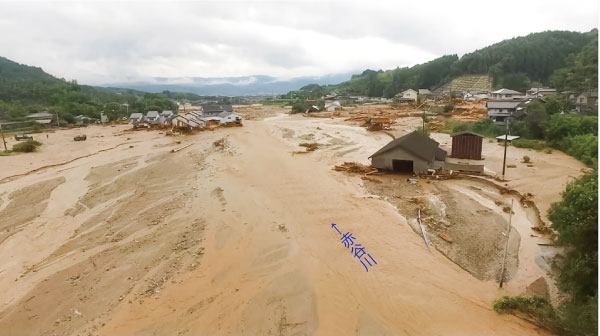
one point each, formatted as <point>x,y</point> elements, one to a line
<point>536,117</point>
<point>576,220</point>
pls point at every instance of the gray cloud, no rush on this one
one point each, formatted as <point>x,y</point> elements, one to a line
<point>98,42</point>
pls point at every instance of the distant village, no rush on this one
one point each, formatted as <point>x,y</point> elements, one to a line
<point>501,104</point>
<point>188,118</point>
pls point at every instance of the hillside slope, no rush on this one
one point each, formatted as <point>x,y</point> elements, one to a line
<point>25,89</point>
<point>517,63</point>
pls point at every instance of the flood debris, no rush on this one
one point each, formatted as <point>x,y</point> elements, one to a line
<point>356,168</point>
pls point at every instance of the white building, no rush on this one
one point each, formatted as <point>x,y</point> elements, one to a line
<point>409,94</point>
<point>507,94</point>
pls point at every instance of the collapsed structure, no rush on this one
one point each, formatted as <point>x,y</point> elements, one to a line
<point>209,115</point>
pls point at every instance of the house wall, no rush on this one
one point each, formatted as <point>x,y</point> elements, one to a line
<point>410,95</point>
<point>467,146</point>
<point>384,160</point>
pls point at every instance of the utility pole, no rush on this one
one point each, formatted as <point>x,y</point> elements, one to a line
<point>3,140</point>
<point>505,145</point>
<point>57,122</point>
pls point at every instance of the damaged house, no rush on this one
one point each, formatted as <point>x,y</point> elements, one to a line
<point>412,153</point>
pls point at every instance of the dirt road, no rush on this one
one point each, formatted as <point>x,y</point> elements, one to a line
<point>235,239</point>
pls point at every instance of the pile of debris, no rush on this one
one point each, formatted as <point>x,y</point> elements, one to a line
<point>310,146</point>
<point>356,168</point>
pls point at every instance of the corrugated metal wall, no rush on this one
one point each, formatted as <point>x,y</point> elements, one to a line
<point>467,146</point>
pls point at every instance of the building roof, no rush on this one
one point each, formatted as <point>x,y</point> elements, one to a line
<point>506,104</point>
<point>167,113</point>
<point>535,90</point>
<point>408,91</point>
<point>41,115</point>
<point>424,91</point>
<point>152,114</point>
<point>136,115</point>
<point>416,143</point>
<point>506,91</point>
<point>467,132</point>
<point>510,137</point>
<point>211,108</point>
<point>43,121</point>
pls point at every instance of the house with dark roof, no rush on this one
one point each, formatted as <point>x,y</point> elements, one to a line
<point>153,118</point>
<point>43,118</point>
<point>167,115</point>
<point>499,110</point>
<point>412,153</point>
<point>211,110</point>
<point>136,119</point>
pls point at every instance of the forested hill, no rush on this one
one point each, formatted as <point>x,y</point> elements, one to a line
<point>26,89</point>
<point>517,63</point>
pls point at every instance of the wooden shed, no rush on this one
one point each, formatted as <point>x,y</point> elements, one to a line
<point>467,145</point>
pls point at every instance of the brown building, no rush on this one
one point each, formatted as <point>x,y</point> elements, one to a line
<point>412,153</point>
<point>467,145</point>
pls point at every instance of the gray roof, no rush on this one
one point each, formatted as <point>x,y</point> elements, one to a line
<point>40,115</point>
<point>211,108</point>
<point>167,113</point>
<point>136,116</point>
<point>506,91</point>
<point>507,104</point>
<point>424,91</point>
<point>152,114</point>
<point>416,143</point>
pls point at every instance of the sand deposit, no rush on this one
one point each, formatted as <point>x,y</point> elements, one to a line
<point>103,238</point>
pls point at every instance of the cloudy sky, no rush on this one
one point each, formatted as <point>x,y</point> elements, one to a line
<point>99,42</point>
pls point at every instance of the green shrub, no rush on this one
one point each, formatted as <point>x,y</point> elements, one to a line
<point>298,106</point>
<point>485,127</point>
<point>583,147</point>
<point>529,143</point>
<point>448,108</point>
<point>526,159</point>
<point>537,308</point>
<point>569,319</point>
<point>27,146</point>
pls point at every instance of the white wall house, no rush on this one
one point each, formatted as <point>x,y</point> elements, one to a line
<point>409,94</point>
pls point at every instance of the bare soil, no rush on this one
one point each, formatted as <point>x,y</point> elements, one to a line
<point>118,235</point>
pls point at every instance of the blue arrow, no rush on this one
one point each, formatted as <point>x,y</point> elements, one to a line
<point>336,229</point>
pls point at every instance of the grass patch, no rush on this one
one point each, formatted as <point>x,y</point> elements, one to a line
<point>5,153</point>
<point>26,146</point>
<point>529,143</point>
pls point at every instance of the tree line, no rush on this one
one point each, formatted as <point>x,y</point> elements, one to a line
<point>566,60</point>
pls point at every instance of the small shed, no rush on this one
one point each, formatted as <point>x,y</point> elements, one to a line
<point>467,145</point>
